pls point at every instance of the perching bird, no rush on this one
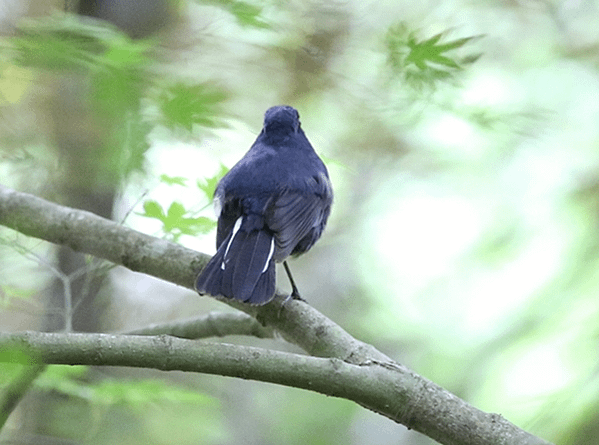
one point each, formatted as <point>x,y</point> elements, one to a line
<point>272,204</point>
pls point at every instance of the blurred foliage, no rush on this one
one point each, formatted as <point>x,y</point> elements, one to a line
<point>13,359</point>
<point>14,82</point>
<point>177,220</point>
<point>184,106</point>
<point>66,42</point>
<point>128,410</point>
<point>9,294</point>
<point>115,67</point>
<point>246,14</point>
<point>332,421</point>
<point>423,62</point>
<point>135,394</point>
<point>208,185</point>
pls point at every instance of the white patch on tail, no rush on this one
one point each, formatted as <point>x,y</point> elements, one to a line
<point>233,233</point>
<point>272,250</point>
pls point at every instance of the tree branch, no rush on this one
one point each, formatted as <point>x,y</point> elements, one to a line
<point>85,232</point>
<point>214,324</point>
<point>381,387</point>
<point>354,370</point>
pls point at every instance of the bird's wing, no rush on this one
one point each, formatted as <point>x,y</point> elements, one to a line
<point>294,213</point>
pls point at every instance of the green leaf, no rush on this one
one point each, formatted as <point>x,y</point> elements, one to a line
<point>208,185</point>
<point>128,144</point>
<point>123,53</point>
<point>173,180</point>
<point>247,15</point>
<point>427,51</point>
<point>63,378</point>
<point>153,210</point>
<point>178,221</point>
<point>196,226</point>
<point>423,62</point>
<point>175,212</point>
<point>183,106</point>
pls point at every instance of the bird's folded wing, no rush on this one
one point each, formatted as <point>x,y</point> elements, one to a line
<point>294,214</point>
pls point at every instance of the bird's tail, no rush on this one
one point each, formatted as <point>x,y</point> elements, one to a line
<point>242,269</point>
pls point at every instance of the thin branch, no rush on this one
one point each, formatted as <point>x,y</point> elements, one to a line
<point>381,387</point>
<point>354,370</point>
<point>214,324</point>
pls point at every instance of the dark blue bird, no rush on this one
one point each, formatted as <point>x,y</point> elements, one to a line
<point>272,204</point>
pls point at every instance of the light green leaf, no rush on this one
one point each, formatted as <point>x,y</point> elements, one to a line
<point>173,180</point>
<point>153,210</point>
<point>208,185</point>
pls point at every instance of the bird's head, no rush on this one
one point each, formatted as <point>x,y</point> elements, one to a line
<point>281,118</point>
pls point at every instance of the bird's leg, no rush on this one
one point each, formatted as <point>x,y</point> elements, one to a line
<point>294,292</point>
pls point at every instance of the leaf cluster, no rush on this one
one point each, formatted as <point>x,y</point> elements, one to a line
<point>178,220</point>
<point>67,42</point>
<point>185,105</point>
<point>423,62</point>
<point>118,84</point>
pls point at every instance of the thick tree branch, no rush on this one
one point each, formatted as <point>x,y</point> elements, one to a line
<point>354,370</point>
<point>379,386</point>
<point>85,232</point>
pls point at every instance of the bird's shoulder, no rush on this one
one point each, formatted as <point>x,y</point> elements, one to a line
<point>274,167</point>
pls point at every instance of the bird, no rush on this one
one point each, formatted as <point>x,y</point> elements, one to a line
<point>273,204</point>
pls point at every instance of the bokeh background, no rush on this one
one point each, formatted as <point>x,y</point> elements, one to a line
<point>462,139</point>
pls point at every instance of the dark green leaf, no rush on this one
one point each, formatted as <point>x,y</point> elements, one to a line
<point>422,62</point>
